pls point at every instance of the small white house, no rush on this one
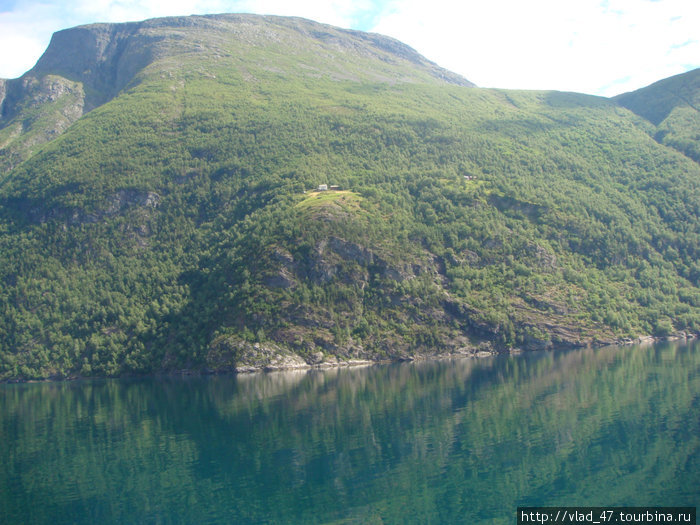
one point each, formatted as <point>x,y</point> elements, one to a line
<point>323,187</point>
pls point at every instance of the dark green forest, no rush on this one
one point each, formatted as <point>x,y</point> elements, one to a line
<point>175,225</point>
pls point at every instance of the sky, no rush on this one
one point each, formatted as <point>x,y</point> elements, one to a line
<point>600,47</point>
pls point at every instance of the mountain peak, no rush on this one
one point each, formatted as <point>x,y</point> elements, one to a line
<point>656,101</point>
<point>107,56</point>
<point>93,63</point>
<point>672,105</point>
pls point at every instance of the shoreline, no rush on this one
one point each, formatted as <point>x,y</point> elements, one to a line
<point>358,363</point>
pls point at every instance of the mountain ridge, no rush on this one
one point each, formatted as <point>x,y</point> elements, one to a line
<point>672,106</point>
<point>105,58</point>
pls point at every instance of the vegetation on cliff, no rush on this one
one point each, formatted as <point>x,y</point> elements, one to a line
<point>175,224</point>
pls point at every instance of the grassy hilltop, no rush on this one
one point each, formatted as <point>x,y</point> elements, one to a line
<point>158,207</point>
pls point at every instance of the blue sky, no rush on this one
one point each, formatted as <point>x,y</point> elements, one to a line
<point>601,47</point>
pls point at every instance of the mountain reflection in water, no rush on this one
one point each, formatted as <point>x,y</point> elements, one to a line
<point>450,441</point>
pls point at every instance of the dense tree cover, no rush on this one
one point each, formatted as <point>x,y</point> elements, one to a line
<point>179,216</point>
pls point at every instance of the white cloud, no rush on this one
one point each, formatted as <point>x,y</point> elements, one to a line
<point>588,45</point>
<point>28,52</point>
<point>594,46</point>
<point>24,35</point>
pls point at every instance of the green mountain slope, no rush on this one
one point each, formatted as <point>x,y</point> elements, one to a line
<point>176,224</point>
<point>672,105</point>
<point>86,66</point>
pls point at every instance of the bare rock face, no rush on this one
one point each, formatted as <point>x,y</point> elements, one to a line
<point>119,203</point>
<point>229,355</point>
<point>104,57</point>
<point>82,68</point>
<point>336,258</point>
<point>129,198</point>
<point>46,106</point>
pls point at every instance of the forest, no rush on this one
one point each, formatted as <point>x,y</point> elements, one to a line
<point>178,225</point>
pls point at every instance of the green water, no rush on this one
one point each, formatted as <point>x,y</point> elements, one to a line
<point>458,441</point>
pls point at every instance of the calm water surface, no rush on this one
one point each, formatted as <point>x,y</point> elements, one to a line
<point>459,441</point>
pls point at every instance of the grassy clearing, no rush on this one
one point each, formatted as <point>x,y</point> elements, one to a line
<point>344,198</point>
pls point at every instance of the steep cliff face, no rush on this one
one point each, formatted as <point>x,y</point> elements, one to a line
<point>38,109</point>
<point>82,69</point>
<point>103,58</point>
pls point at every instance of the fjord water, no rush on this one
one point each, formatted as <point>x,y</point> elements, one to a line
<point>451,441</point>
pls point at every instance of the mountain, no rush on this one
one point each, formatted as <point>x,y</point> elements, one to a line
<point>87,66</point>
<point>161,210</point>
<point>672,106</point>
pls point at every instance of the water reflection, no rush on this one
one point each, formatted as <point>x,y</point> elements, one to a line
<point>431,442</point>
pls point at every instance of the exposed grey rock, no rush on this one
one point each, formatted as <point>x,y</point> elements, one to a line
<point>117,204</point>
<point>333,258</point>
<point>127,198</point>
<point>283,279</point>
<point>46,107</point>
<point>351,251</point>
<point>230,354</point>
<point>544,259</point>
